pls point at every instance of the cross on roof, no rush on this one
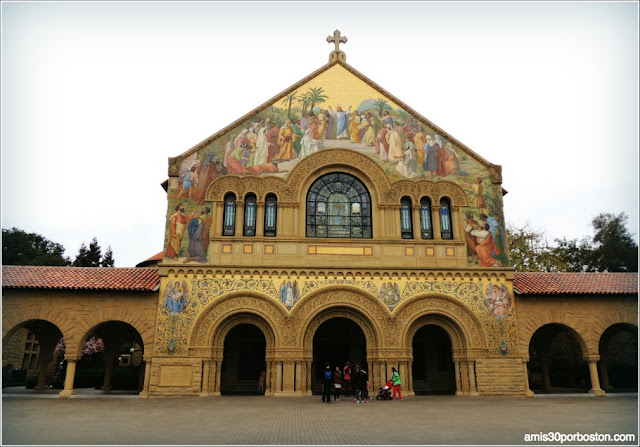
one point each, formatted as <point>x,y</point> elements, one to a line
<point>337,39</point>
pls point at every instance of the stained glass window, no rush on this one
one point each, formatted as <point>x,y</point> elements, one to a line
<point>270,214</point>
<point>249,215</point>
<point>445,219</point>
<point>338,205</point>
<point>229,218</point>
<point>406,226</point>
<point>426,229</point>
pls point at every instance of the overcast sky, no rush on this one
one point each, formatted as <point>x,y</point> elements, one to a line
<point>97,96</point>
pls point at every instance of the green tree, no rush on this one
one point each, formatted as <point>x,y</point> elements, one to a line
<point>288,101</point>
<point>530,251</point>
<point>22,248</point>
<point>92,256</point>
<point>316,96</point>
<point>613,248</point>
<point>304,100</point>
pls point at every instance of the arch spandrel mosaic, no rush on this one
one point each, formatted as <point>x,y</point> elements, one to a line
<point>483,309</point>
<point>334,110</point>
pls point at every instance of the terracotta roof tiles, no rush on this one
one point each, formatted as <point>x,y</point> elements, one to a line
<point>575,283</point>
<point>81,278</point>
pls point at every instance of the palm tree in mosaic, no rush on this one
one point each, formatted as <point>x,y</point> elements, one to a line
<point>288,100</point>
<point>304,100</point>
<point>381,104</point>
<point>317,96</point>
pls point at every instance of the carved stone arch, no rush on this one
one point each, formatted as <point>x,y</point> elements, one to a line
<point>243,318</point>
<point>452,191</point>
<point>606,320</point>
<point>458,342</point>
<point>363,167</point>
<point>414,308</point>
<point>244,303</point>
<point>14,321</point>
<point>357,317</point>
<point>353,303</point>
<point>143,326</point>
<point>577,326</point>
<point>221,186</point>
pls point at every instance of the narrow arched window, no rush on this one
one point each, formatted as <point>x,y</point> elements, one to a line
<point>229,218</point>
<point>406,225</point>
<point>426,228</point>
<point>270,215</point>
<point>249,228</point>
<point>445,219</point>
<point>338,205</point>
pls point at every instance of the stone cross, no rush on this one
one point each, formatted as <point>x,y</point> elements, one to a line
<point>337,39</point>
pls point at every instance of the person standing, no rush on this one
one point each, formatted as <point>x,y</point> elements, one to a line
<point>359,383</point>
<point>326,380</point>
<point>395,378</point>
<point>337,383</point>
<point>346,379</point>
<point>261,381</point>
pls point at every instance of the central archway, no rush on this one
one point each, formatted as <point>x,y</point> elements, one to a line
<point>433,370</point>
<point>243,360</point>
<point>337,341</point>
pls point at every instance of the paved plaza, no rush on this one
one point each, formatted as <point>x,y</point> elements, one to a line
<point>91,419</point>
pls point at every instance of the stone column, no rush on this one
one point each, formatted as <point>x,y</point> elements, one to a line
<point>456,364</point>
<point>206,376</point>
<point>43,363</point>
<point>144,394</point>
<point>239,218</point>
<point>68,390</point>
<point>410,390</point>
<point>472,378</point>
<point>525,373</point>
<point>218,213</point>
<point>437,234</point>
<point>403,370</point>
<point>604,373</point>
<point>593,372</point>
<point>216,386</point>
<point>417,233</point>
<point>545,359</point>
<point>458,233</point>
<point>108,370</point>
<point>288,373</point>
<point>259,219</point>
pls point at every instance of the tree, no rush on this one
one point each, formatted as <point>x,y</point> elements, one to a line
<point>613,248</point>
<point>92,256</point>
<point>316,96</point>
<point>381,104</point>
<point>530,251</point>
<point>304,100</point>
<point>21,248</point>
<point>288,101</point>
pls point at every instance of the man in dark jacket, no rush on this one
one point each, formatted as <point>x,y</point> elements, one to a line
<point>326,380</point>
<point>359,382</point>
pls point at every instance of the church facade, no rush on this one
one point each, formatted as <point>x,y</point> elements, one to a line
<point>334,223</point>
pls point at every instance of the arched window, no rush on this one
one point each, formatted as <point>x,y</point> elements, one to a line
<point>229,218</point>
<point>445,219</point>
<point>249,215</point>
<point>406,225</point>
<point>426,228</point>
<point>338,205</point>
<point>270,215</point>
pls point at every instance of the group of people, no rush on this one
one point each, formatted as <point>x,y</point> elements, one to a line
<point>196,225</point>
<point>352,379</point>
<point>484,239</point>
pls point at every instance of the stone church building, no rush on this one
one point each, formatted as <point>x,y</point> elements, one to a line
<point>333,223</point>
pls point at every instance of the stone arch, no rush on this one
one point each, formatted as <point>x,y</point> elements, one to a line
<point>607,320</point>
<point>461,324</point>
<point>359,165</point>
<point>339,301</point>
<point>575,324</point>
<point>243,318</point>
<point>144,327</point>
<point>224,310</point>
<point>55,316</point>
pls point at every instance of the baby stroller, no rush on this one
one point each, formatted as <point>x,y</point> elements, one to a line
<point>385,392</point>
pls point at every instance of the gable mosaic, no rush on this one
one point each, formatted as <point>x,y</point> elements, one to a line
<point>334,109</point>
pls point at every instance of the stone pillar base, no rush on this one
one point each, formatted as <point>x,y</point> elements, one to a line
<point>288,394</point>
<point>66,394</point>
<point>459,393</point>
<point>597,392</point>
<point>205,394</point>
<point>473,393</point>
<point>216,393</point>
<point>144,395</point>
<point>529,393</point>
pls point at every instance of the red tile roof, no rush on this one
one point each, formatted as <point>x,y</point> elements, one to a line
<point>575,283</point>
<point>85,278</point>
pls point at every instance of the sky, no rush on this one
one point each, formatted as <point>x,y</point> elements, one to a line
<point>96,96</point>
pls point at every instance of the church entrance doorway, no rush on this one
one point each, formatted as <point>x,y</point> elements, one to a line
<point>243,360</point>
<point>433,370</point>
<point>337,341</point>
